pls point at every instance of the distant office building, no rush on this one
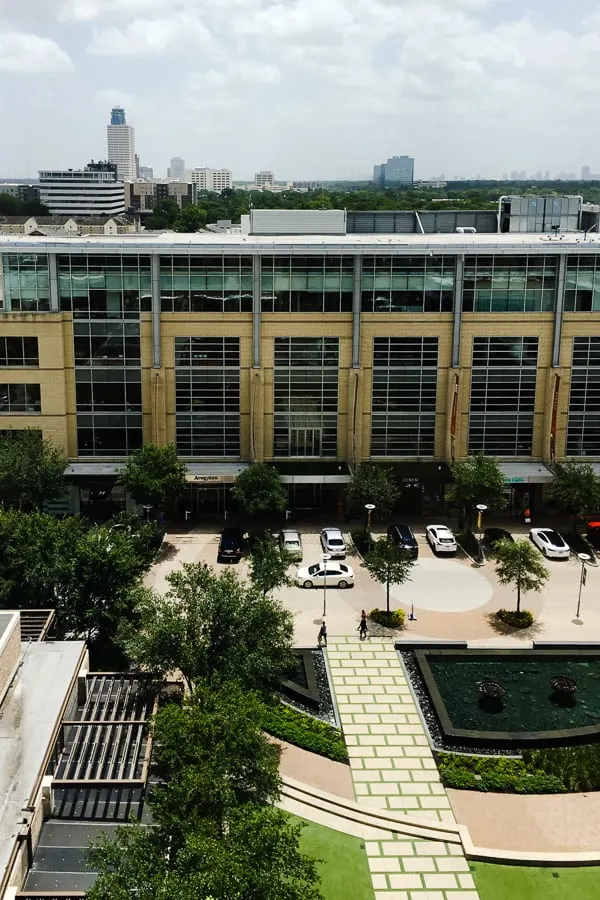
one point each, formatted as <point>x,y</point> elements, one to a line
<point>92,191</point>
<point>137,166</point>
<point>121,145</point>
<point>177,169</point>
<point>142,196</point>
<point>397,170</point>
<point>211,179</point>
<point>264,180</point>
<point>146,172</point>
<point>25,192</point>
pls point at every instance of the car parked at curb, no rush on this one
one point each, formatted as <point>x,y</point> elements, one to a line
<point>332,574</point>
<point>291,542</point>
<point>333,543</point>
<point>231,545</point>
<point>403,537</point>
<point>491,536</point>
<point>550,543</point>
<point>441,539</point>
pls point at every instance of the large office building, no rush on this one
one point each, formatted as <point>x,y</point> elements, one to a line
<point>216,180</point>
<point>397,171</point>
<point>311,351</point>
<point>121,145</point>
<point>176,169</point>
<point>92,191</point>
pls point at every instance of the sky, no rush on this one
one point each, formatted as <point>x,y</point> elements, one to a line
<point>311,89</point>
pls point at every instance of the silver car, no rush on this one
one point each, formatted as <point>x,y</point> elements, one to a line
<point>290,541</point>
<point>333,543</point>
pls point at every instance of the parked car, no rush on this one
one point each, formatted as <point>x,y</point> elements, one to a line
<point>550,542</point>
<point>404,539</point>
<point>290,541</point>
<point>440,539</point>
<point>332,542</point>
<point>334,574</point>
<point>231,545</point>
<point>491,536</point>
<point>593,534</point>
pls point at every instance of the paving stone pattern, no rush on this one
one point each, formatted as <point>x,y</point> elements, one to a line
<point>393,768</point>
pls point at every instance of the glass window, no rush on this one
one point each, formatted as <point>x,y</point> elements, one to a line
<point>407,284</point>
<point>20,398</point>
<point>583,424</point>
<point>206,283</point>
<point>19,351</point>
<point>582,284</point>
<point>105,287</point>
<point>26,282</point>
<point>306,284</point>
<point>510,283</point>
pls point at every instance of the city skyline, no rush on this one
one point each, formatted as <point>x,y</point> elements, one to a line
<point>443,82</point>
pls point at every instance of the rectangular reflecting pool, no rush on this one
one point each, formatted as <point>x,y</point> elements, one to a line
<point>513,697</point>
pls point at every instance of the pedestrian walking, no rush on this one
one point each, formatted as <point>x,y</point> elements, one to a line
<point>322,638</point>
<point>362,626</point>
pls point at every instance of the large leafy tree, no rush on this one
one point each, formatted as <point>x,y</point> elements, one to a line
<point>477,479</point>
<point>259,491</point>
<point>154,475</point>
<point>387,564</point>
<point>269,564</point>
<point>577,488</point>
<point>31,470</point>
<point>373,484</point>
<point>519,565</point>
<point>213,627</point>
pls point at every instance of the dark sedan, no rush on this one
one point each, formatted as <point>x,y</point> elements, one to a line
<point>231,545</point>
<point>491,536</point>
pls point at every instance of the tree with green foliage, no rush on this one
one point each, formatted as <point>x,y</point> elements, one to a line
<point>190,219</point>
<point>478,479</point>
<point>31,469</point>
<point>387,564</point>
<point>269,564</point>
<point>154,476</point>
<point>213,627</point>
<point>259,491</point>
<point>163,215</point>
<point>577,488</point>
<point>518,564</point>
<point>373,484</point>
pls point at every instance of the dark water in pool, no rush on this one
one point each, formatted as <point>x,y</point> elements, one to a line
<point>529,704</point>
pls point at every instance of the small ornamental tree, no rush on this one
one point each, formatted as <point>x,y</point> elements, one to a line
<point>388,565</point>
<point>519,565</point>
<point>259,491</point>
<point>269,564</point>
<point>373,484</point>
<point>577,488</point>
<point>31,470</point>
<point>477,479</point>
<point>154,476</point>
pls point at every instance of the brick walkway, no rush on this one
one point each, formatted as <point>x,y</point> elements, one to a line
<point>393,768</point>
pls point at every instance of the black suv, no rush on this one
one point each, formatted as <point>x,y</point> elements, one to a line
<point>231,545</point>
<point>403,537</point>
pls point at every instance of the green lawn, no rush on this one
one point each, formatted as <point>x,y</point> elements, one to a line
<point>344,871</point>
<point>532,883</point>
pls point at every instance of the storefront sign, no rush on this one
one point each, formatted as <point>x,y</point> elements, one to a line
<point>517,479</point>
<point>210,478</point>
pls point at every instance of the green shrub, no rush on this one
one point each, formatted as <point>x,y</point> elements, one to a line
<point>304,731</point>
<point>499,774</point>
<point>393,619</point>
<point>514,619</point>
<point>577,767</point>
<point>360,539</point>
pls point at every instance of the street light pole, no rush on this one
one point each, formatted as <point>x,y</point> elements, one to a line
<point>481,508</point>
<point>583,558</point>
<point>324,560</point>
<point>369,508</point>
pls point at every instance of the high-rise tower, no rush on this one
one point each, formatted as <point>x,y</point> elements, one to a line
<point>121,145</point>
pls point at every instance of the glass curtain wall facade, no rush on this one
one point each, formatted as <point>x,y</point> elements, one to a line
<point>408,283</point>
<point>405,372</point>
<point>299,284</point>
<point>305,397</point>
<point>582,284</point>
<point>583,428</point>
<point>19,351</point>
<point>106,295</point>
<point>26,282</point>
<point>207,396</point>
<point>503,383</point>
<point>510,283</point>
<point>206,283</point>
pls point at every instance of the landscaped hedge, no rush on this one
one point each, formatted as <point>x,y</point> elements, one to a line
<point>496,773</point>
<point>393,619</point>
<point>514,619</point>
<point>578,767</point>
<point>304,731</point>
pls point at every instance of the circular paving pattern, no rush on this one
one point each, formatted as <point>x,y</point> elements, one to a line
<point>443,585</point>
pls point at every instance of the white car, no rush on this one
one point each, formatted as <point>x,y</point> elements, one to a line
<point>332,542</point>
<point>440,539</point>
<point>291,542</point>
<point>334,574</point>
<point>551,543</point>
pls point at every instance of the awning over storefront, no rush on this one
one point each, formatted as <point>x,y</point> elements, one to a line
<point>214,473</point>
<point>526,473</point>
<point>93,470</point>
<point>413,470</point>
<point>313,472</point>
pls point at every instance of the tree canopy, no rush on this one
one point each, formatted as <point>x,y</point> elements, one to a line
<point>477,479</point>
<point>213,627</point>
<point>269,564</point>
<point>154,476</point>
<point>373,484</point>
<point>387,564</point>
<point>577,488</point>
<point>519,565</point>
<point>31,469</point>
<point>259,491</point>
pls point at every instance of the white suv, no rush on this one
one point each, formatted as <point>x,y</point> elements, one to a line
<point>333,543</point>
<point>440,539</point>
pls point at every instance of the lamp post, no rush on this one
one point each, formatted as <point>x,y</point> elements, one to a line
<point>583,559</point>
<point>324,559</point>
<point>369,508</point>
<point>481,508</point>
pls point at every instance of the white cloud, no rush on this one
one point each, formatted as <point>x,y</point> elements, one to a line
<point>144,37</point>
<point>29,53</point>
